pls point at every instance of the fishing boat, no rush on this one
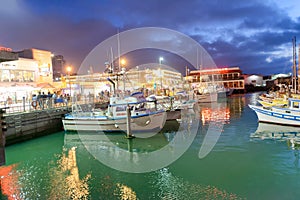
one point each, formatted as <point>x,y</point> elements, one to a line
<point>287,115</point>
<point>114,119</point>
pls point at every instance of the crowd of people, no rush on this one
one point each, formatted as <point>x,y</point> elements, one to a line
<point>50,100</point>
<point>44,100</point>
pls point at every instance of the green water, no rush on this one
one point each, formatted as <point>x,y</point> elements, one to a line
<point>238,167</point>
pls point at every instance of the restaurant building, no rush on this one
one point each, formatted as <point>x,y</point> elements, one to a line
<point>229,77</point>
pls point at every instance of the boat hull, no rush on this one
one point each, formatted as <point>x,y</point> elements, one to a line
<point>277,116</point>
<point>138,123</point>
<point>146,123</point>
<point>173,114</point>
<point>89,124</point>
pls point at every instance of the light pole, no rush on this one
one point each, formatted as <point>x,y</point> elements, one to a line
<point>123,63</point>
<point>138,72</point>
<point>160,61</point>
<point>69,69</point>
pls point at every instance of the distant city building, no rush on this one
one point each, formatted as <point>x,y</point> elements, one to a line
<point>58,65</point>
<point>253,79</point>
<point>45,71</point>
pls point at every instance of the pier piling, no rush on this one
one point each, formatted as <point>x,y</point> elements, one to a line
<point>3,129</point>
<point>128,123</point>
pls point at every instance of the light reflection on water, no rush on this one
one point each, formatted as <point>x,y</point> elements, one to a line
<point>238,167</point>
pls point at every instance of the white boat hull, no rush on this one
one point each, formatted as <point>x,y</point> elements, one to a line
<point>89,124</point>
<point>141,123</point>
<point>145,123</point>
<point>277,116</point>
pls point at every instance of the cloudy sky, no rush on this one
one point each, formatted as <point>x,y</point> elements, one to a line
<point>254,35</point>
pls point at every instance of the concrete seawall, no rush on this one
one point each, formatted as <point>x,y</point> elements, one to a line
<point>24,126</point>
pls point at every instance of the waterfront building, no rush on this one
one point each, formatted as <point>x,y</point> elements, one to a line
<point>229,77</point>
<point>156,78</point>
<point>45,71</point>
<point>18,79</point>
<point>23,74</point>
<point>160,81</point>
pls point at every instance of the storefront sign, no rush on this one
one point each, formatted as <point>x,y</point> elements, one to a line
<point>5,49</point>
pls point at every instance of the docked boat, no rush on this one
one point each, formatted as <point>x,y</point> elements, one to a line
<point>273,99</point>
<point>288,115</point>
<point>143,117</point>
<point>166,103</point>
<point>275,102</point>
<point>183,100</point>
<point>207,97</point>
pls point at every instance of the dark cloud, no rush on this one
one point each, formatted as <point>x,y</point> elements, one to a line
<point>245,33</point>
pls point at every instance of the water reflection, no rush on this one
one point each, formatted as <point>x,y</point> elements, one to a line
<point>9,182</point>
<point>169,186</point>
<point>214,116</point>
<point>222,111</point>
<point>218,112</point>
<point>142,154</point>
<point>288,134</point>
<point>274,131</point>
<point>65,180</point>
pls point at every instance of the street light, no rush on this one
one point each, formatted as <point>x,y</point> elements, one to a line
<point>137,69</point>
<point>69,69</point>
<point>123,62</point>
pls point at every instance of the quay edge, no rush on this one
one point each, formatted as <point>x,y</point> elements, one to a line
<point>29,125</point>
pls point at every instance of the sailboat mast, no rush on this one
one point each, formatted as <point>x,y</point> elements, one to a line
<point>119,51</point>
<point>298,64</point>
<point>294,78</point>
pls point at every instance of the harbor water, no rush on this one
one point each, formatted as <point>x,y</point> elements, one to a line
<point>234,165</point>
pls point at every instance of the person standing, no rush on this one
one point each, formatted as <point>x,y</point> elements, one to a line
<point>40,100</point>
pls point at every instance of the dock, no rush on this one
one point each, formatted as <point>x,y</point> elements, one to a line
<point>27,125</point>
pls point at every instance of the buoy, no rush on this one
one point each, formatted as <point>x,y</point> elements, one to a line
<point>34,104</point>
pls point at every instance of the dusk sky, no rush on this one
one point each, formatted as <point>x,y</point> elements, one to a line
<point>254,35</point>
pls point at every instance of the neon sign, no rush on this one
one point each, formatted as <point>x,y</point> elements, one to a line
<point>5,49</point>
